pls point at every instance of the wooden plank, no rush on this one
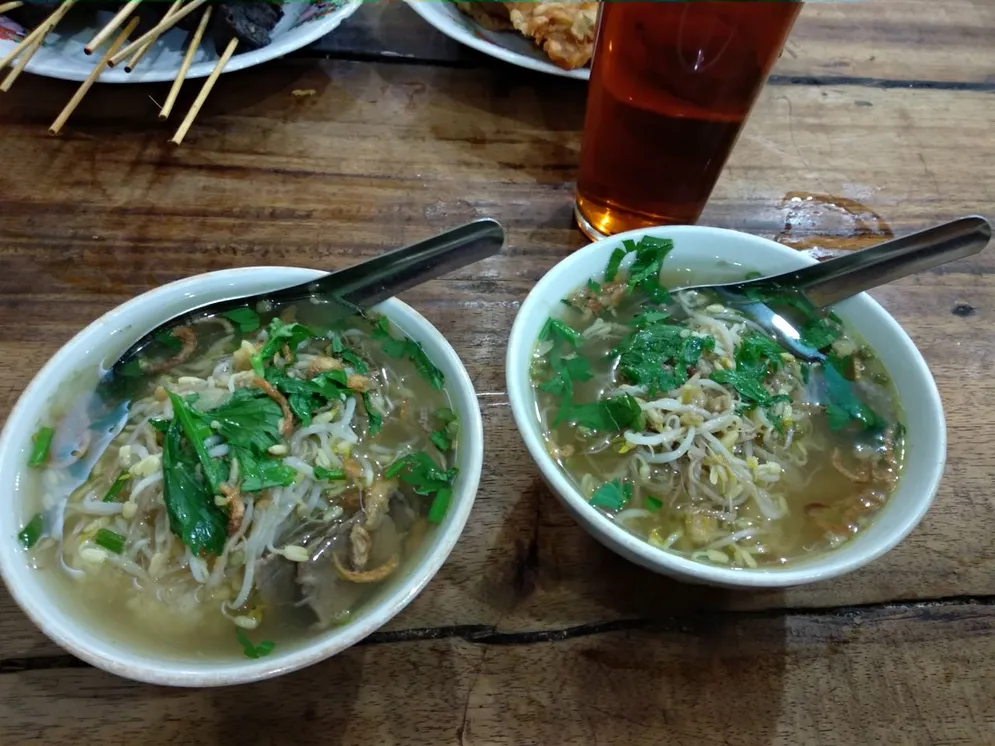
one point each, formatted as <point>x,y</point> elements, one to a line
<point>904,677</point>
<point>905,40</point>
<point>386,155</point>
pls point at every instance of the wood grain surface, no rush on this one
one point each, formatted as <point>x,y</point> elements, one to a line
<point>532,632</point>
<point>898,676</point>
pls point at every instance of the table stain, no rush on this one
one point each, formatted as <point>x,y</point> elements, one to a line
<point>824,225</point>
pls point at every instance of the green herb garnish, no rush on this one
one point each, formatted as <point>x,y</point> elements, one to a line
<point>567,371</point>
<point>262,473</point>
<point>612,496</point>
<point>426,478</point>
<point>110,540</point>
<point>245,319</point>
<point>842,404</point>
<point>248,419</point>
<point>556,329</point>
<point>749,383</point>
<point>116,487</point>
<point>614,262</point>
<point>616,413</point>
<point>32,531</point>
<point>448,431</point>
<point>376,420</point>
<point>193,517</point>
<point>644,274</point>
<point>196,430</point>
<point>653,504</point>
<point>331,475</point>
<point>407,347</point>
<point>280,334</point>
<point>440,505</point>
<point>253,651</point>
<point>41,443</point>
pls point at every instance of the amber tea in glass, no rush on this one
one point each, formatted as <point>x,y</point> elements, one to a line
<point>671,86</point>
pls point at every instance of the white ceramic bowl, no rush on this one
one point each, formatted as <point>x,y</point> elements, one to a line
<point>62,55</point>
<point>926,431</point>
<point>104,340</point>
<point>509,46</point>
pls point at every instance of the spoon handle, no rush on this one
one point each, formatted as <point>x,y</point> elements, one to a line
<point>837,279</point>
<point>382,277</point>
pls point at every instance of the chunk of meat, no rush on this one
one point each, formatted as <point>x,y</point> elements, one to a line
<point>325,592</point>
<point>358,383</point>
<point>275,581</point>
<point>322,364</point>
<point>359,547</point>
<point>242,358</point>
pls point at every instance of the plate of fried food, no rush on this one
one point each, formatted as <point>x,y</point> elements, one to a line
<point>556,38</point>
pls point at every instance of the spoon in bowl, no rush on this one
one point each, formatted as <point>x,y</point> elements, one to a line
<point>834,280</point>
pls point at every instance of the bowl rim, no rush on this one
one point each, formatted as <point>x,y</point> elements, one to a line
<point>58,626</point>
<point>614,536</point>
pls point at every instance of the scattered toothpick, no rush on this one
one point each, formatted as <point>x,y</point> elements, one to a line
<point>43,28</point>
<point>91,79</point>
<point>185,67</point>
<point>10,6</point>
<point>204,91</point>
<point>122,15</point>
<point>163,26</point>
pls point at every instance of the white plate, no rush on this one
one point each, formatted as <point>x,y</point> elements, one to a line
<point>509,46</point>
<point>62,55</point>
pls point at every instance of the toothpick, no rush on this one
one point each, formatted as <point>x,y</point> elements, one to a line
<point>133,62</point>
<point>91,79</point>
<point>202,96</point>
<point>122,15</point>
<point>163,26</point>
<point>185,67</point>
<point>10,6</point>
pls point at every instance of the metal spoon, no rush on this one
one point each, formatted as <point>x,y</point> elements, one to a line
<point>834,280</point>
<point>356,287</point>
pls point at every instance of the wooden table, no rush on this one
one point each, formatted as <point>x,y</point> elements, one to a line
<point>533,633</point>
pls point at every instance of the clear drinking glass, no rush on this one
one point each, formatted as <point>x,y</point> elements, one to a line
<point>671,86</point>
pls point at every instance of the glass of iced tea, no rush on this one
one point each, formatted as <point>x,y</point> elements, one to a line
<point>671,86</point>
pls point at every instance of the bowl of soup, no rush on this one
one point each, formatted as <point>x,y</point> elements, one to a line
<point>259,491</point>
<point>683,436</point>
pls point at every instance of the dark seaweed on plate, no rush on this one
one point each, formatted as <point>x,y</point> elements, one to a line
<point>249,22</point>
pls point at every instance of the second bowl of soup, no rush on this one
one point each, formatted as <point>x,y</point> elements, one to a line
<point>681,435</point>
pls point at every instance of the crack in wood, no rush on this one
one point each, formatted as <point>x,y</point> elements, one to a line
<point>482,634</point>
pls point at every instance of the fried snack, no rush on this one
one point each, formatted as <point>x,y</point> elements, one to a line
<point>564,31</point>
